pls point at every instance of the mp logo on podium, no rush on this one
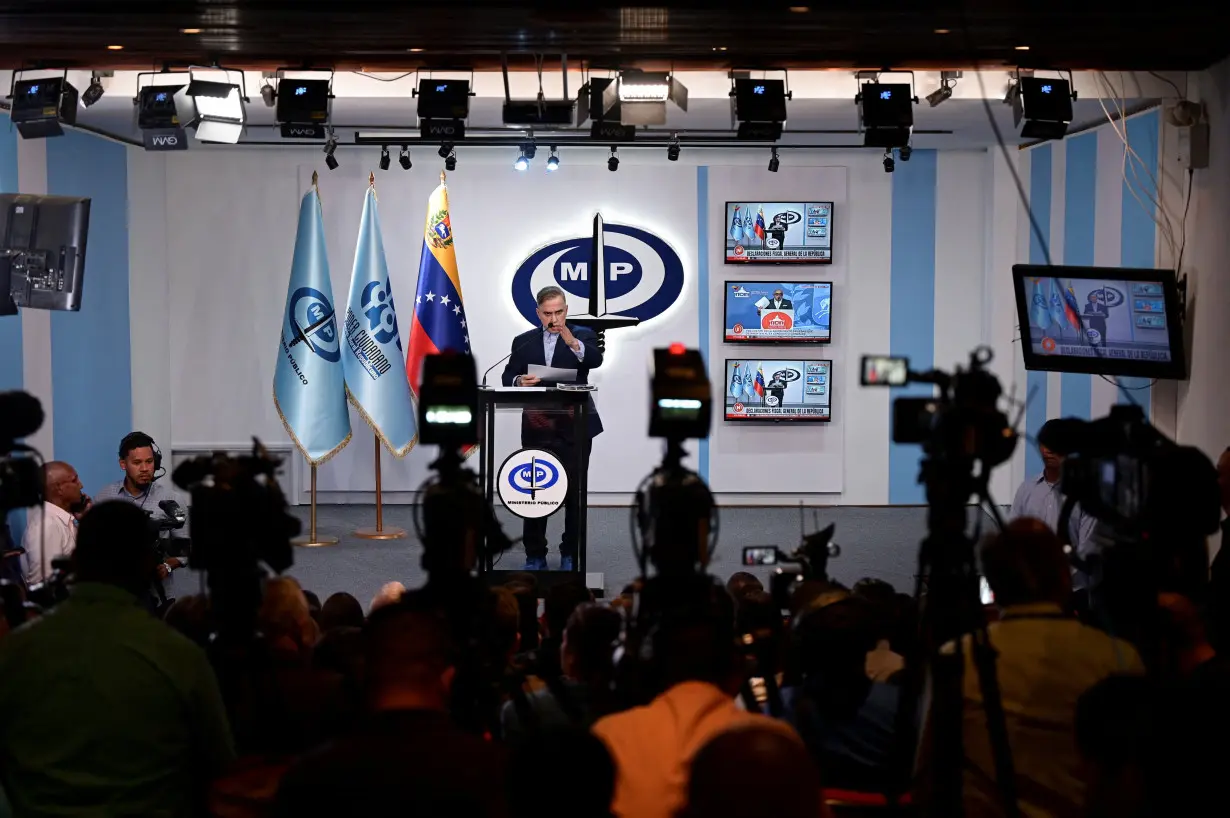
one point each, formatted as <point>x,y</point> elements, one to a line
<point>642,276</point>
<point>532,483</point>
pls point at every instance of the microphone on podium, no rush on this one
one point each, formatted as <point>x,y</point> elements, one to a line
<point>512,352</point>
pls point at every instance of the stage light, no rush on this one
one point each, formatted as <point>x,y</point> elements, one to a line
<point>269,95</point>
<point>384,157</point>
<point>214,108</point>
<point>889,164</point>
<point>404,158</point>
<point>612,162</point>
<point>906,152</point>
<point>774,162</point>
<point>672,150</point>
<point>522,163</point>
<point>1042,107</point>
<point>94,92</point>
<point>330,147</point>
<point>641,86</point>
<point>450,161</point>
<point>445,150</point>
<point>760,107</point>
<point>947,80</point>
<point>886,111</point>
<point>553,161</point>
<point>41,107</point>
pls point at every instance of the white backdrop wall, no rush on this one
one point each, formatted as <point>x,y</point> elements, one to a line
<point>222,221</point>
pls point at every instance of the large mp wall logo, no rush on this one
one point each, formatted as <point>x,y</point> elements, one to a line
<point>311,322</point>
<point>532,483</point>
<point>640,276</point>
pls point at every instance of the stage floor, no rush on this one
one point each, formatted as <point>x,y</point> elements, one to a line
<point>879,542</point>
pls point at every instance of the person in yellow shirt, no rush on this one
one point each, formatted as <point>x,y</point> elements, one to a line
<point>1045,660</point>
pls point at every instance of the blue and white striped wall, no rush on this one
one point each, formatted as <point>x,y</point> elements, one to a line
<point>78,364</point>
<point>1089,212</point>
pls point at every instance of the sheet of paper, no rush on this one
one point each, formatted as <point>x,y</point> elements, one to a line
<point>552,373</point>
<point>763,302</point>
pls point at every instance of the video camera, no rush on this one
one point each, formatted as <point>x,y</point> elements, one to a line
<point>453,520</point>
<point>807,562</point>
<point>21,415</point>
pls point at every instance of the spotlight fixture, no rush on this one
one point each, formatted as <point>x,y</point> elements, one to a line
<point>404,158</point>
<point>94,92</point>
<point>889,164</point>
<point>450,161</point>
<point>906,152</point>
<point>330,147</point>
<point>269,95</point>
<point>760,107</point>
<point>612,162</point>
<point>528,150</point>
<point>445,149</point>
<point>41,107</point>
<point>522,163</point>
<point>553,161</point>
<point>384,157</point>
<point>947,80</point>
<point>774,163</point>
<point>672,149</point>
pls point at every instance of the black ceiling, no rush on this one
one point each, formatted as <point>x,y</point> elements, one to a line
<point>352,34</point>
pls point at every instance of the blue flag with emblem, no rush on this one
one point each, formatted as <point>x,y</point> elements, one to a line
<point>736,382</point>
<point>371,350</point>
<point>309,389</point>
<point>1039,314</point>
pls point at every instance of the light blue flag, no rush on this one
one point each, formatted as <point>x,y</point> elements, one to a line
<point>1038,312</point>
<point>372,353</point>
<point>736,226</point>
<point>736,382</point>
<point>309,389</point>
<point>1055,304</point>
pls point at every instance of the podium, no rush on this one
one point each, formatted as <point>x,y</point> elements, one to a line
<point>561,406</point>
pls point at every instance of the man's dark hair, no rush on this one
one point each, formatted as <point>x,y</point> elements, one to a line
<point>1059,435</point>
<point>135,440</point>
<point>742,582</point>
<point>787,781</point>
<point>341,610</point>
<point>695,641</point>
<point>404,643</point>
<point>592,632</point>
<point>583,774</point>
<point>831,642</point>
<point>561,601</point>
<point>115,545</point>
<point>1025,563</point>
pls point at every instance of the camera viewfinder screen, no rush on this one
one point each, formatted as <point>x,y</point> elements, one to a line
<point>779,232</point>
<point>779,390</point>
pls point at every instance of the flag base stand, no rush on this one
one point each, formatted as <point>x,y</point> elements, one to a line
<point>312,539</point>
<point>379,532</point>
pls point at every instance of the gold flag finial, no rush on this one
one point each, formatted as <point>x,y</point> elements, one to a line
<point>441,177</point>
<point>315,178</point>
<point>371,179</point>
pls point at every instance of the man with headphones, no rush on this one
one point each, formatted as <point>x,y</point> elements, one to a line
<point>141,461</point>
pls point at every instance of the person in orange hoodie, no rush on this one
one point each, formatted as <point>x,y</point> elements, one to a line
<point>699,671</point>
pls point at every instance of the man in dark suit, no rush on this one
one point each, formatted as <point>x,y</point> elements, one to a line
<point>778,302</point>
<point>556,344</point>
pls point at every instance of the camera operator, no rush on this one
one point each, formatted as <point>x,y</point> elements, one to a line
<point>1219,583</point>
<point>103,709</point>
<point>51,532</point>
<point>141,461</point>
<point>1040,498</point>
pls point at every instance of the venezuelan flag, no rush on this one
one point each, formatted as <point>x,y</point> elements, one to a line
<point>439,322</point>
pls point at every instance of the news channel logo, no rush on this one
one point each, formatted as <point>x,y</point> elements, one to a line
<point>532,483</point>
<point>312,322</point>
<point>643,277</point>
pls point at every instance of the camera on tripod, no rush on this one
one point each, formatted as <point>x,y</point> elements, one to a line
<point>807,562</point>
<point>21,415</point>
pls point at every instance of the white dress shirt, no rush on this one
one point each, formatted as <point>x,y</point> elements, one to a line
<point>49,535</point>
<point>549,340</point>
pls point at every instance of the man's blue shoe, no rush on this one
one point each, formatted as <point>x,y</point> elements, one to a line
<point>567,563</point>
<point>535,564</point>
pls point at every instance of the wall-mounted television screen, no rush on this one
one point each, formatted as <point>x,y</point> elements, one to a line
<point>779,232</point>
<point>1100,320</point>
<point>793,312</point>
<point>791,390</point>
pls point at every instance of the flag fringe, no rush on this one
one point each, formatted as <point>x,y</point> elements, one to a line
<point>376,430</point>
<point>299,445</point>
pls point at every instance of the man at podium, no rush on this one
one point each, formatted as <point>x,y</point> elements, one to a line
<point>556,344</point>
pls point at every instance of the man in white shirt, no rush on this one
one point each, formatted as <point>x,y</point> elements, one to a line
<point>52,531</point>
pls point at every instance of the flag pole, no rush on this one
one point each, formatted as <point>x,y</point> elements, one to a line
<point>379,532</point>
<point>311,540</point>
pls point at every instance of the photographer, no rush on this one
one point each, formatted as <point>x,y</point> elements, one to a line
<point>1040,498</point>
<point>103,709</point>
